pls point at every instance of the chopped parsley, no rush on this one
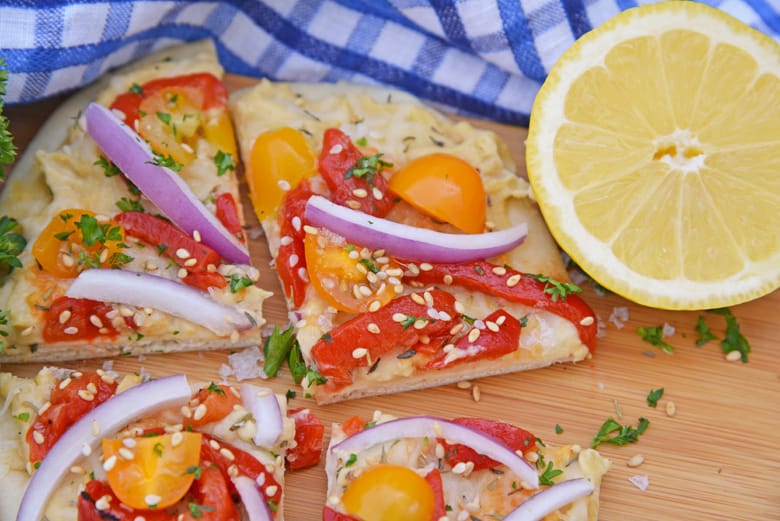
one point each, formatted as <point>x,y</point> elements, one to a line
<point>734,340</point>
<point>327,338</point>
<point>214,388</point>
<point>7,147</point>
<point>705,334</point>
<point>550,473</point>
<point>197,510</point>
<point>410,320</point>
<point>165,161</point>
<point>224,162</point>
<point>557,289</point>
<point>655,336</point>
<point>613,432</point>
<point>158,449</point>
<point>11,243</point>
<point>653,396</point>
<point>351,460</point>
<point>109,168</point>
<point>23,416</point>
<point>164,117</point>
<point>558,429</point>
<point>196,471</point>
<point>238,282</point>
<point>92,232</point>
<point>136,89</point>
<point>361,142</point>
<point>370,266</point>
<point>367,168</point>
<point>313,377</point>
<point>161,248</point>
<point>290,394</point>
<point>130,205</point>
<point>479,270</point>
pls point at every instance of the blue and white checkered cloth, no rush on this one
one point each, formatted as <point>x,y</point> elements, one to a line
<point>483,57</point>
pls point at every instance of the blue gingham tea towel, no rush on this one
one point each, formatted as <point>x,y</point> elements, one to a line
<point>483,57</point>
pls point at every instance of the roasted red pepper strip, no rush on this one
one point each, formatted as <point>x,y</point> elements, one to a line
<point>66,408</point>
<point>227,213</point>
<point>211,492</point>
<point>203,280</point>
<point>291,243</point>
<point>434,481</point>
<point>78,326</point>
<point>334,353</point>
<point>214,93</point>
<point>168,238</point>
<point>309,431</point>
<point>488,345</point>
<point>246,464</point>
<point>328,514</point>
<point>516,438</point>
<point>338,156</point>
<point>480,276</point>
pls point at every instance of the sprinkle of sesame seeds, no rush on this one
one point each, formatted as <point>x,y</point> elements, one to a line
<point>377,193</point>
<point>336,149</point>
<point>176,439</point>
<point>293,261</point>
<point>129,443</point>
<point>359,352</point>
<point>104,256</point>
<point>27,331</point>
<point>91,387</point>
<point>86,395</point>
<point>284,185</point>
<point>464,384</point>
<point>86,450</point>
<point>303,274</point>
<point>232,471</point>
<point>260,479</point>
<point>152,499</point>
<point>311,230</point>
<point>38,437</point>
<point>457,328</point>
<point>448,279</point>
<point>514,280</point>
<point>126,311</point>
<point>227,454</point>
<point>182,273</point>
<point>474,335</point>
<point>103,503</point>
<point>499,270</point>
<point>285,240</point>
<point>211,268</point>
<point>351,203</point>
<point>476,393</point>
<point>413,269</point>
<point>296,223</point>
<point>433,314</point>
<point>492,326</point>
<point>109,464</point>
<point>67,260</point>
<point>196,235</point>
<point>500,320</point>
<point>126,453</point>
<point>64,316</point>
<point>459,468</point>
<point>214,444</point>
<point>635,460</point>
<point>186,411</point>
<point>199,412</point>
<point>398,289</point>
<point>671,408</point>
<point>44,408</point>
<point>428,298</point>
<point>373,328</point>
<point>416,297</point>
<point>425,266</point>
<point>399,317</point>
<point>439,451</point>
<point>374,306</point>
<point>150,266</point>
<point>419,324</point>
<point>192,261</point>
<point>271,490</point>
<point>394,272</point>
<point>587,321</point>
<point>733,356</point>
<point>95,321</point>
<point>360,193</point>
<point>183,253</point>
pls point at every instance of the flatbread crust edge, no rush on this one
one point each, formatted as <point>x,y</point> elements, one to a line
<point>27,181</point>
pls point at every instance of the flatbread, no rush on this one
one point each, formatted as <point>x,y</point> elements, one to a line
<point>401,128</point>
<point>469,491</point>
<point>58,171</point>
<point>22,398</point>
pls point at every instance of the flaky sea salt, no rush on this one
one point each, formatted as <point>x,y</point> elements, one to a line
<point>668,330</point>
<point>640,481</point>
<point>244,365</point>
<point>619,316</point>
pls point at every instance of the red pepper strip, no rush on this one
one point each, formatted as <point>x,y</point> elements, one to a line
<point>116,511</point>
<point>160,233</point>
<point>80,310</point>
<point>227,213</point>
<point>338,156</point>
<point>291,226</point>
<point>334,352</point>
<point>479,276</point>
<point>434,481</point>
<point>246,464</point>
<point>210,491</point>
<point>516,438</point>
<point>203,280</point>
<point>309,431</point>
<point>489,345</point>
<point>328,514</point>
<point>214,93</point>
<point>66,408</point>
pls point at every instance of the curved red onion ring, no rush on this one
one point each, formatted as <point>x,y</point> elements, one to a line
<point>262,403</point>
<point>162,186</point>
<point>407,241</point>
<point>550,499</point>
<point>432,427</point>
<point>110,416</point>
<point>255,504</point>
<point>145,290</point>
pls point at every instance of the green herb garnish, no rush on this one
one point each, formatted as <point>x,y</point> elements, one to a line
<point>224,162</point>
<point>214,388</point>
<point>367,168</point>
<point>165,161</point>
<point>7,147</point>
<point>277,347</point>
<point>238,282</point>
<point>557,289</point>
<point>130,205</point>
<point>11,243</point>
<point>655,336</point>
<point>653,396</point>
<point>734,340</point>
<point>109,168</point>
<point>613,432</point>
<point>705,334</point>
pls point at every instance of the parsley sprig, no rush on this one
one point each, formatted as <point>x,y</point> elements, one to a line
<point>734,340</point>
<point>613,432</point>
<point>165,161</point>
<point>223,162</point>
<point>555,288</point>
<point>367,167</point>
<point>7,147</point>
<point>655,336</point>
<point>653,396</point>
<point>11,243</point>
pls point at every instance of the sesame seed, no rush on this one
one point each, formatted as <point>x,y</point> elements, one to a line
<point>285,240</point>
<point>448,348</point>
<point>232,471</point>
<point>91,387</point>
<point>311,230</point>
<point>126,453</point>
<point>176,439</point>
<point>733,356</point>
<point>183,253</point>
<point>192,261</point>
<point>336,149</point>
<point>416,297</point>
<point>459,468</point>
<point>433,314</point>
<point>476,393</point>
<point>428,298</point>
<point>260,480</point>
<point>377,193</point>
<point>214,444</point>
<point>373,328</point>
<point>64,316</point>
<point>457,328</point>
<point>129,443</point>
<point>671,408</point>
<point>437,429</point>
<point>227,454</point>
<point>103,256</point>
<point>109,463</point>
<point>75,469</point>
<point>398,289</point>
<point>365,291</point>
<point>448,279</point>
<point>103,503</point>
<point>139,518</point>
<point>360,193</point>
<point>86,395</point>
<point>464,384</point>
<point>636,460</point>
<point>27,331</point>
<point>474,335</point>
<point>334,500</point>
<point>374,306</point>
<point>500,320</point>
<point>271,490</point>
<point>95,321</point>
<point>532,457</point>
<point>359,352</point>
<point>182,273</point>
<point>200,412</point>
<point>44,408</point>
<point>296,223</point>
<point>439,451</point>
<point>399,317</point>
<point>371,277</point>
<point>351,203</point>
<point>356,292</point>
<point>66,382</point>
<point>413,269</point>
<point>86,450</point>
<point>419,324</point>
<point>67,260</point>
<point>459,308</point>
<point>354,254</point>
<point>499,270</point>
<point>283,185</point>
<point>126,311</point>
<point>425,266</point>
<point>586,321</point>
<point>196,235</point>
<point>492,326</point>
<point>211,268</point>
<point>186,411</point>
<point>394,272</point>
<point>293,261</point>
<point>361,268</point>
<point>150,266</point>
<point>514,280</point>
<point>38,437</point>
<point>152,499</point>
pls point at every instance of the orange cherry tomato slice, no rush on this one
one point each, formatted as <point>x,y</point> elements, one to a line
<point>152,472</point>
<point>345,279</point>
<point>279,160</point>
<point>74,241</point>
<point>390,492</point>
<point>170,119</point>
<point>444,187</point>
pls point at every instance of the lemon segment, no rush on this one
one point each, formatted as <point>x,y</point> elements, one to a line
<point>654,153</point>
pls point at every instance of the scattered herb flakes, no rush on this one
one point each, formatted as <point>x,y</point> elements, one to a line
<point>196,471</point>
<point>558,429</point>
<point>655,336</point>
<point>165,161</point>
<point>109,168</point>
<point>653,396</point>
<point>367,168</point>
<point>351,460</point>
<point>7,147</point>
<point>238,282</point>
<point>705,335</point>
<point>130,205</point>
<point>733,340</point>
<point>224,162</point>
<point>214,388</point>
<point>556,289</point>
<point>290,394</point>
<point>12,243</point>
<point>613,432</point>
<point>197,510</point>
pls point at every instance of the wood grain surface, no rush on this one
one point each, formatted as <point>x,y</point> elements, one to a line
<point>716,458</point>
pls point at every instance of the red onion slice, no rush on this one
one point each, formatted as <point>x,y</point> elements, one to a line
<point>262,403</point>
<point>254,503</point>
<point>145,290</point>
<point>162,186</point>
<point>432,427</point>
<point>407,241</point>
<point>105,420</point>
<point>550,499</point>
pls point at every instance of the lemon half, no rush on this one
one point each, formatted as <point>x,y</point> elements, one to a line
<point>654,153</point>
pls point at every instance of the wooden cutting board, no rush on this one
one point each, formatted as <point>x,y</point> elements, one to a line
<point>716,458</point>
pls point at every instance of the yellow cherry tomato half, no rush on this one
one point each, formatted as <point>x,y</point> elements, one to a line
<point>152,472</point>
<point>445,187</point>
<point>279,160</point>
<point>74,240</point>
<point>170,120</point>
<point>218,130</point>
<point>389,493</point>
<point>345,279</point>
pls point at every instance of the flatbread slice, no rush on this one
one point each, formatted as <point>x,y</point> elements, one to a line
<point>79,212</point>
<point>405,472</point>
<point>353,354</point>
<point>210,440</point>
